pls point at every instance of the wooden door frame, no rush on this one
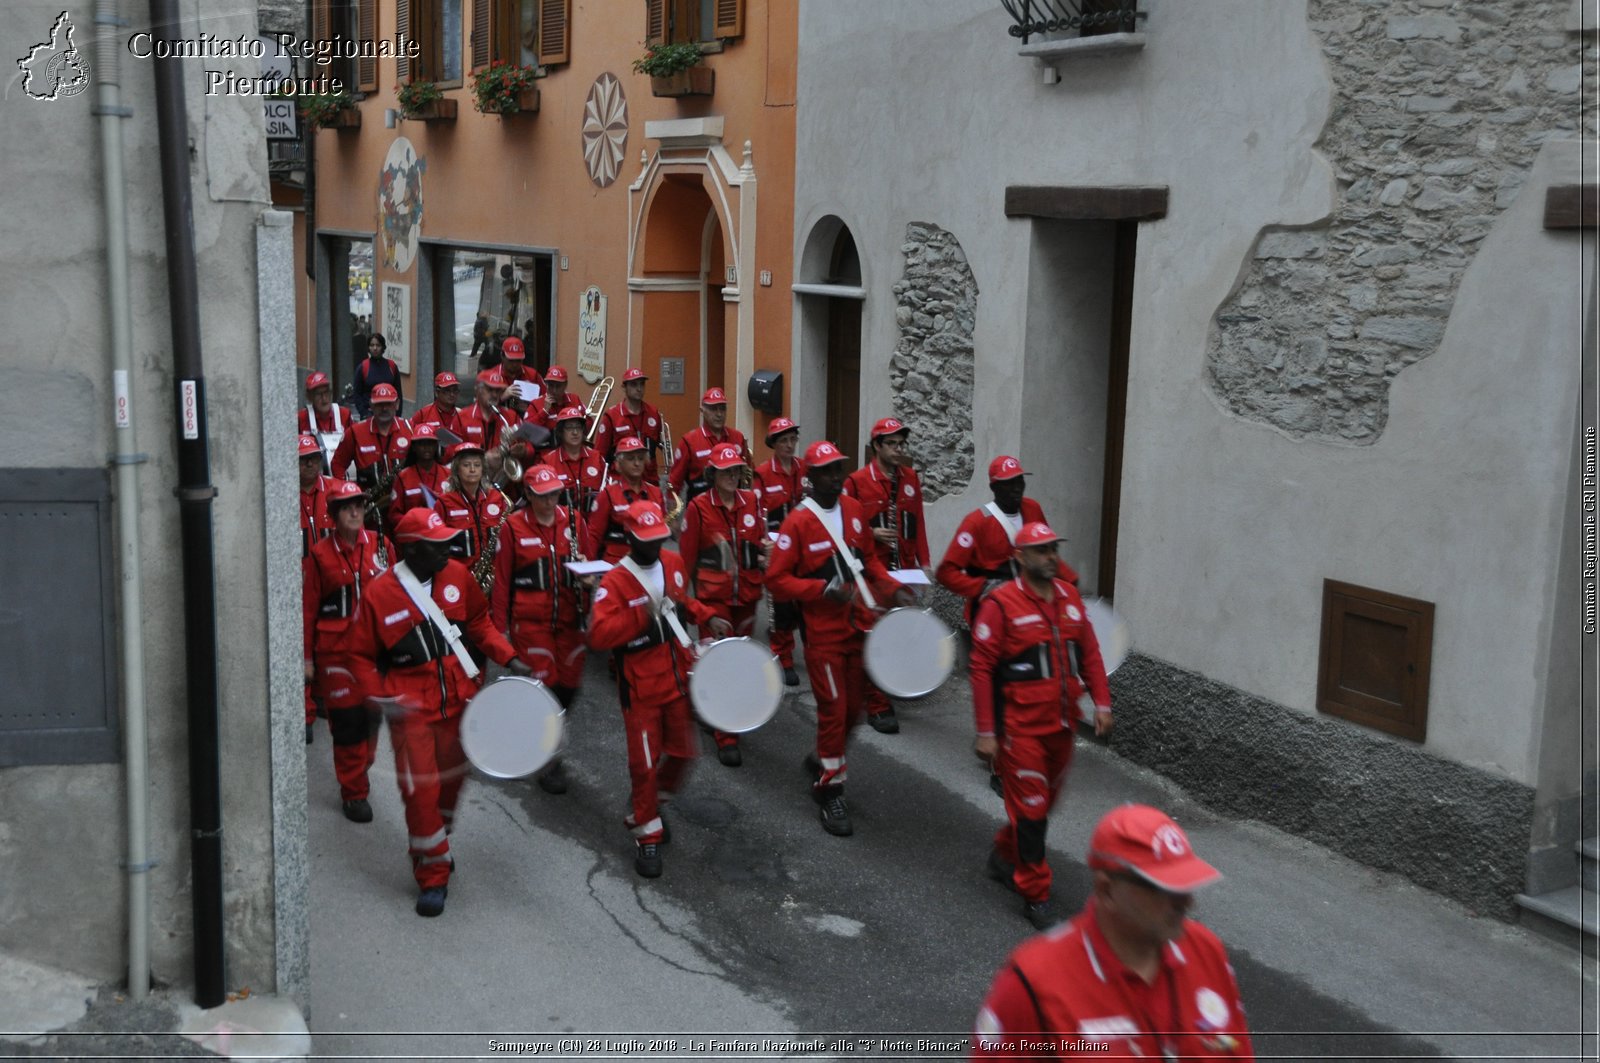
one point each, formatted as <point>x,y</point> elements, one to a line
<point>1123,256</point>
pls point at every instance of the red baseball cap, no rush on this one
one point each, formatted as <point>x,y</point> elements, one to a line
<point>573,412</point>
<point>1147,842</point>
<point>493,378</point>
<point>779,426</point>
<point>888,427</point>
<point>309,446</point>
<point>318,380</point>
<point>822,452</point>
<point>426,432</point>
<point>419,525</point>
<point>630,443</point>
<point>1036,533</point>
<point>466,446</point>
<point>1005,467</point>
<point>445,380</point>
<point>646,522</point>
<point>342,492</point>
<point>713,397</point>
<point>385,393</point>
<point>726,456</point>
<point>555,373</point>
<point>511,348</point>
<point>634,374</point>
<point>542,480</point>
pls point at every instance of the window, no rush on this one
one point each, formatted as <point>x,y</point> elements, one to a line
<point>436,27</point>
<point>347,20</point>
<point>1377,651</point>
<point>673,21</point>
<point>526,32</point>
<point>483,297</point>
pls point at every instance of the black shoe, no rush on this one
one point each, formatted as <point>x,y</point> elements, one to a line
<point>884,722</point>
<point>836,818</point>
<point>1042,914</point>
<point>647,861</point>
<point>790,678</point>
<point>430,902</point>
<point>730,756</point>
<point>311,733</point>
<point>358,811</point>
<point>554,780</point>
<point>995,784</point>
<point>1001,871</point>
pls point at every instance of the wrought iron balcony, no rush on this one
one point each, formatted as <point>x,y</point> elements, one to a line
<point>1083,18</point>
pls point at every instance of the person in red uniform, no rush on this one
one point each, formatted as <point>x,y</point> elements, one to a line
<point>555,393</point>
<point>625,486</point>
<point>536,599</point>
<point>1131,976</point>
<point>637,615</point>
<point>1035,668</point>
<point>632,417</point>
<point>422,479</point>
<point>980,557</point>
<point>888,486</point>
<point>314,524</point>
<point>416,646</point>
<point>692,457</point>
<point>334,576</point>
<point>807,567</point>
<point>469,504</point>
<point>514,364</point>
<point>487,417</point>
<point>443,409</point>
<point>376,447</point>
<point>781,483</point>
<point>581,468</point>
<point>724,541</point>
<point>324,418</point>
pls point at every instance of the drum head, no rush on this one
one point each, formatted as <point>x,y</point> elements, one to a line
<point>512,728</point>
<point>736,685</point>
<point>910,653</point>
<point>1111,631</point>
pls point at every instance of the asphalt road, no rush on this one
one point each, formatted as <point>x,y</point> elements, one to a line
<point>765,925</point>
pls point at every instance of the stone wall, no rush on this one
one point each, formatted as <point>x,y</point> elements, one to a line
<point>1439,109</point>
<point>931,371</point>
<point>282,16</point>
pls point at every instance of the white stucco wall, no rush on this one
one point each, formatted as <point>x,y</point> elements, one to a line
<point>1227,528</point>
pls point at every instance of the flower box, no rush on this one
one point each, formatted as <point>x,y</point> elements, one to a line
<point>349,118</point>
<point>437,111</point>
<point>695,81</point>
<point>527,102</point>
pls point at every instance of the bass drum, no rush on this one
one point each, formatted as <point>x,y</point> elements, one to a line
<point>513,727</point>
<point>910,653</point>
<point>736,685</point>
<point>1110,631</point>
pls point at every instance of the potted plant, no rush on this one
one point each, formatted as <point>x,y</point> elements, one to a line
<point>675,70</point>
<point>506,88</point>
<point>329,110</point>
<point>425,100</point>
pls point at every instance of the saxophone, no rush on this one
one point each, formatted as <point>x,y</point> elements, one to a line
<point>483,568</point>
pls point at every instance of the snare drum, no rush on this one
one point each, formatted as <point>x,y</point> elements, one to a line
<point>736,685</point>
<point>1110,631</point>
<point>512,728</point>
<point>910,653</point>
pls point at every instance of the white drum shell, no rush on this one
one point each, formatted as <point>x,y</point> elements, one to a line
<point>512,728</point>
<point>736,685</point>
<point>910,653</point>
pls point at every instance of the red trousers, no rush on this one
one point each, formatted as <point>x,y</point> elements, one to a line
<point>430,767</point>
<point>785,621</point>
<point>556,657</point>
<point>661,748</point>
<point>1032,770</point>
<point>743,619</point>
<point>839,683</point>
<point>354,728</point>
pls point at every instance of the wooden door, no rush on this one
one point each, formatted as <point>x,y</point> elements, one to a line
<point>1116,403</point>
<point>844,378</point>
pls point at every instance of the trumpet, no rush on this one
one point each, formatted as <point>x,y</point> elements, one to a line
<point>597,405</point>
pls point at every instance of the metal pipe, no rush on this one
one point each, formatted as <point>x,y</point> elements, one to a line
<point>194,507</point>
<point>135,753</point>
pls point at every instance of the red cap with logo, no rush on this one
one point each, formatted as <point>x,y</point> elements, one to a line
<point>630,443</point>
<point>1148,843</point>
<point>726,456</point>
<point>634,374</point>
<point>426,432</point>
<point>342,492</point>
<point>888,427</point>
<point>823,452</point>
<point>385,393</point>
<point>1036,533</point>
<point>646,522</point>
<point>542,480</point>
<point>556,374</point>
<point>493,378</point>
<point>309,446</point>
<point>1005,467</point>
<point>318,380</point>
<point>445,380</point>
<point>779,426</point>
<point>713,397</point>
<point>423,525</point>
<point>464,448</point>
<point>511,348</point>
<point>572,412</point>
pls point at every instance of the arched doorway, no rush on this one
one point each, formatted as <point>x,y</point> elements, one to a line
<point>831,294</point>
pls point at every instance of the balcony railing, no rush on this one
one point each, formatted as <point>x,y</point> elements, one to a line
<point>1084,18</point>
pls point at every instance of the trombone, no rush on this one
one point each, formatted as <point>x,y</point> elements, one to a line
<point>597,406</point>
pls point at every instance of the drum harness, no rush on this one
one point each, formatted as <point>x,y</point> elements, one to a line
<point>663,610</point>
<point>847,557</point>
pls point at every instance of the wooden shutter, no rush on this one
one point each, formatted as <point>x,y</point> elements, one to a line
<point>730,19</point>
<point>367,31</point>
<point>402,22</point>
<point>555,31</point>
<point>482,25</point>
<point>319,20</point>
<point>655,21</point>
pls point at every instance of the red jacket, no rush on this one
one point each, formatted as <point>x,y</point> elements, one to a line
<point>586,471</point>
<point>804,559</point>
<point>980,552</point>
<point>415,489</point>
<point>336,420</point>
<point>610,506</point>
<point>484,429</point>
<point>779,490</point>
<point>372,454</point>
<point>617,424</point>
<point>531,580</point>
<point>1020,649</point>
<point>332,580</point>
<point>1069,983</point>
<point>431,414</point>
<point>476,515</point>
<point>736,576</point>
<point>868,486</point>
<point>692,457</point>
<point>314,520</point>
<point>654,667</point>
<point>396,652</point>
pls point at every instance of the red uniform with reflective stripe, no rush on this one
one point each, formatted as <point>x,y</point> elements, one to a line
<point>476,516</point>
<point>610,507</point>
<point>722,578</point>
<point>1068,996</point>
<point>870,487</point>
<point>432,414</point>
<point>484,427</point>
<point>617,424</point>
<point>1013,620</point>
<point>417,488</point>
<point>780,490</point>
<point>534,596</point>
<point>692,459</point>
<point>586,471</point>
<point>315,523</point>
<point>981,551</point>
<point>371,452</point>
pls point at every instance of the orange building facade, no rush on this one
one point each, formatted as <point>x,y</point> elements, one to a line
<point>638,229</point>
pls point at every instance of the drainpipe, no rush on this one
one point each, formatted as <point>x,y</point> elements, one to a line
<point>108,106</point>
<point>194,508</point>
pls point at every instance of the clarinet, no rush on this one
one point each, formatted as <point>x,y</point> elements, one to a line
<point>894,519</point>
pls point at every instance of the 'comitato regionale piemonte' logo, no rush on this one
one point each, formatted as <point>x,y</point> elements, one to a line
<point>55,69</point>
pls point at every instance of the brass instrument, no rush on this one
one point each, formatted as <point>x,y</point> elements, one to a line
<point>483,568</point>
<point>675,505</point>
<point>597,405</point>
<point>381,494</point>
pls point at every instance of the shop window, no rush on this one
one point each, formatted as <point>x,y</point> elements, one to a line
<point>526,32</point>
<point>485,296</point>
<point>674,21</point>
<point>1377,653</point>
<point>436,26</point>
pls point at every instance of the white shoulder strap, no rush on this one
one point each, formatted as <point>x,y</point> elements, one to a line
<point>667,613</point>
<point>1000,515</point>
<point>850,560</point>
<point>430,609</point>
